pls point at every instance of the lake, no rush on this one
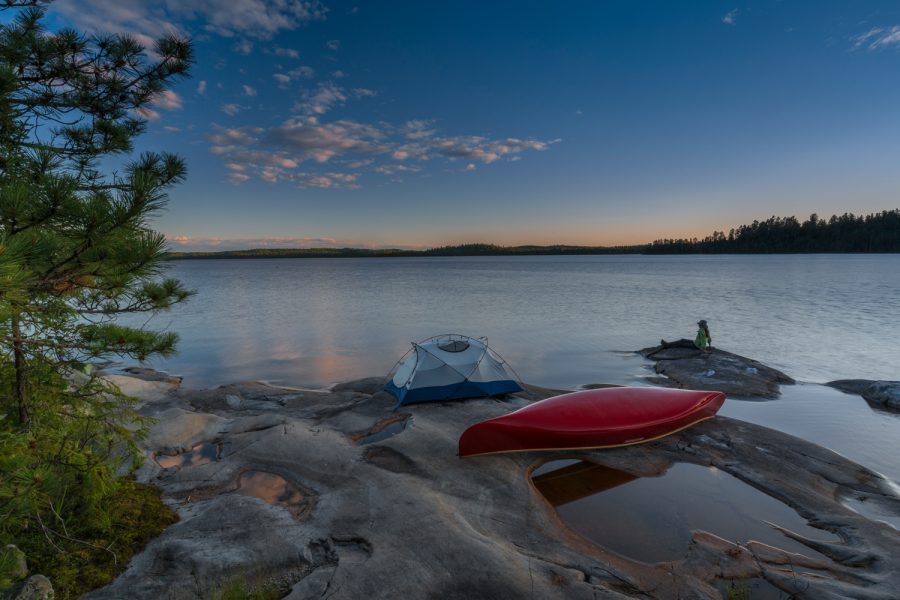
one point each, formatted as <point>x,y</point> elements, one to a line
<point>560,321</point>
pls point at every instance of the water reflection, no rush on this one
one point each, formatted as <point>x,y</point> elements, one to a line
<point>651,518</point>
<point>201,454</point>
<point>272,488</point>
<point>577,481</point>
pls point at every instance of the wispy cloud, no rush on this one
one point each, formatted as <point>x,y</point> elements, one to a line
<point>288,52</point>
<point>201,87</point>
<point>244,47</point>
<point>164,100</point>
<point>275,154</point>
<point>249,90</point>
<point>231,109</point>
<point>333,45</point>
<point>285,78</point>
<point>878,38</point>
<point>259,19</point>
<point>322,99</point>
<point>730,18</point>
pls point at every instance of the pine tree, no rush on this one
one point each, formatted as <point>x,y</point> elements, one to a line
<point>77,249</point>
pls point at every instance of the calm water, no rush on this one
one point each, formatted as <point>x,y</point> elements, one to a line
<point>651,518</point>
<point>560,321</point>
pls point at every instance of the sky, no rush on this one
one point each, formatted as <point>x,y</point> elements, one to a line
<point>420,124</point>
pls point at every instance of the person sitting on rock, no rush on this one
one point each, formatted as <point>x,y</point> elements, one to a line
<point>703,341</point>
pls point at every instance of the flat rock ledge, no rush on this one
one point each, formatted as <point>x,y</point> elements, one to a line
<point>884,394</point>
<point>405,517</point>
<point>719,370</point>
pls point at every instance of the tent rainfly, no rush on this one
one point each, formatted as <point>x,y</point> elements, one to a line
<point>450,367</point>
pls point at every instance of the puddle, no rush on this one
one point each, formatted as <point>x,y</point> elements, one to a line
<point>871,511</point>
<point>382,430</point>
<point>201,454</point>
<point>650,518</point>
<point>270,487</point>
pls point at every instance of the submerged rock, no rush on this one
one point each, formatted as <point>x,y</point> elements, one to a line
<point>885,394</point>
<point>688,367</point>
<point>406,517</point>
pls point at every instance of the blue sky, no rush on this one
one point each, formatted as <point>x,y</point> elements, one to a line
<point>604,122</point>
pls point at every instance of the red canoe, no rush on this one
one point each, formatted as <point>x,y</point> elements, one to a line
<point>602,418</point>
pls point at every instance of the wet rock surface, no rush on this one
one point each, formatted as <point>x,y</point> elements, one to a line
<point>406,517</point>
<point>737,376</point>
<point>884,394</point>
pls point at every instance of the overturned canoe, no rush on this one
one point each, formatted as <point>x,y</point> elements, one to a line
<point>601,418</point>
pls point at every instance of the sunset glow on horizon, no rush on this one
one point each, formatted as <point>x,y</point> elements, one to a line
<point>417,125</point>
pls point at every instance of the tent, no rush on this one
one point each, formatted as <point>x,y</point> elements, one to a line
<point>450,367</point>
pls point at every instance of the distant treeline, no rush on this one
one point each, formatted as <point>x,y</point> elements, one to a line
<point>461,250</point>
<point>879,232</point>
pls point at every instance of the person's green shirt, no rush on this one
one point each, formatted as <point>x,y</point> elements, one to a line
<point>702,340</point>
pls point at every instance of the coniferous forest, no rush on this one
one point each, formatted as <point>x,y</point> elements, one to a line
<point>878,232</point>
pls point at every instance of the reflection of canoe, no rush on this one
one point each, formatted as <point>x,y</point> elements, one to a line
<point>600,418</point>
<point>578,481</point>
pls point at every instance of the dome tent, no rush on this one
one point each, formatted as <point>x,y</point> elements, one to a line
<point>449,367</point>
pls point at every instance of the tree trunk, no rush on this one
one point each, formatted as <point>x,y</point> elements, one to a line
<point>21,392</point>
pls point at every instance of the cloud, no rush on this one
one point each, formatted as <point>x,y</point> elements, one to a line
<point>730,17</point>
<point>231,109</point>
<point>201,87</point>
<point>322,99</point>
<point>394,169</point>
<point>149,113</point>
<point>301,72</point>
<point>244,47</point>
<point>288,52</point>
<point>170,129</point>
<point>164,100</point>
<point>364,93</point>
<point>275,154</point>
<point>168,100</point>
<point>260,19</point>
<point>470,167</point>
<point>333,45</point>
<point>878,38</point>
<point>325,180</point>
<point>249,90</point>
<point>482,149</point>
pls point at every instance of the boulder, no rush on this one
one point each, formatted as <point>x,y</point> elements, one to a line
<point>20,568</point>
<point>884,394</point>
<point>36,587</point>
<point>737,376</point>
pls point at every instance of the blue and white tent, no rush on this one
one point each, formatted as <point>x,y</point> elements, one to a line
<point>450,367</point>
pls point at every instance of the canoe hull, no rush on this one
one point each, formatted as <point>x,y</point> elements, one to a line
<point>602,418</point>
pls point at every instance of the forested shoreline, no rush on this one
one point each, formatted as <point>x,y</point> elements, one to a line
<point>847,233</point>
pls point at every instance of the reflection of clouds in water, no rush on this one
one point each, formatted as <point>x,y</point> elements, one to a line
<point>269,487</point>
<point>551,317</point>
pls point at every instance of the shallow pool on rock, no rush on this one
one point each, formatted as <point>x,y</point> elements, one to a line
<point>650,518</point>
<point>201,454</point>
<point>270,487</point>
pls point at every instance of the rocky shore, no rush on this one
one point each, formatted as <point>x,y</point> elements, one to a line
<point>883,394</point>
<point>332,494</point>
<point>737,376</point>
